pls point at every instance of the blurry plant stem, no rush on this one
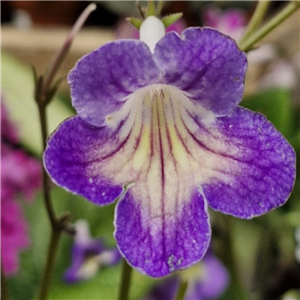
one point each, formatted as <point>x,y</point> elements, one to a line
<point>267,261</point>
<point>4,288</point>
<point>52,250</point>
<point>44,93</point>
<point>235,289</point>
<point>66,46</point>
<point>159,7</point>
<point>125,281</point>
<point>256,19</point>
<point>248,43</point>
<point>183,284</point>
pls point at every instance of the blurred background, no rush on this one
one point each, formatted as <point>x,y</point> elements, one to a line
<point>266,250</point>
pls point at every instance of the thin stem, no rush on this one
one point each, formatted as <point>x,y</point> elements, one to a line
<point>46,182</point>
<point>183,284</point>
<point>273,23</point>
<point>159,8</point>
<point>125,281</point>
<point>56,229</point>
<point>42,98</point>
<point>140,9</point>
<point>4,289</point>
<point>52,250</point>
<point>256,19</point>
<point>226,252</point>
<point>64,50</point>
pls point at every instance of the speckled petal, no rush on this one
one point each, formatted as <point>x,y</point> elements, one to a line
<point>102,80</point>
<point>205,64</point>
<point>71,157</point>
<point>157,243</point>
<point>260,169</point>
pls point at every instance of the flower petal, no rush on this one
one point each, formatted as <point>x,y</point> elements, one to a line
<point>103,79</point>
<point>257,162</point>
<point>157,243</point>
<point>71,155</point>
<point>206,64</point>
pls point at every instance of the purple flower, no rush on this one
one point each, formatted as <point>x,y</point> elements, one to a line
<point>206,280</point>
<point>20,175</point>
<point>88,255</point>
<point>160,129</point>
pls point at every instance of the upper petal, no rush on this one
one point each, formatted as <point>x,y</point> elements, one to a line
<point>206,64</point>
<point>103,79</point>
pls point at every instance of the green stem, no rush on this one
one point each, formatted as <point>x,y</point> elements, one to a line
<point>273,23</point>
<point>159,8</point>
<point>256,19</point>
<point>55,224</point>
<point>66,46</point>
<point>47,276</point>
<point>41,96</point>
<point>236,287</point>
<point>181,289</point>
<point>125,281</point>
<point>46,182</point>
<point>4,288</point>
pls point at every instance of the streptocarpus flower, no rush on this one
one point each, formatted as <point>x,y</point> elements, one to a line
<point>158,127</point>
<point>88,255</point>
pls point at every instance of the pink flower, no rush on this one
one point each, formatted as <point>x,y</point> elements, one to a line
<point>13,232</point>
<point>231,22</point>
<point>20,175</point>
<point>8,130</point>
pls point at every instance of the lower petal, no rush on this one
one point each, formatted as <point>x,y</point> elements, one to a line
<point>260,168</point>
<point>159,245</point>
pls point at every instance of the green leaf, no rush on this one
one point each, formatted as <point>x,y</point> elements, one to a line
<point>171,19</point>
<point>151,10</point>
<point>18,94</point>
<point>276,105</point>
<point>135,22</point>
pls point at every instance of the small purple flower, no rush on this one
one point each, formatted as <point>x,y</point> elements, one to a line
<point>206,280</point>
<point>88,255</point>
<point>160,129</point>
